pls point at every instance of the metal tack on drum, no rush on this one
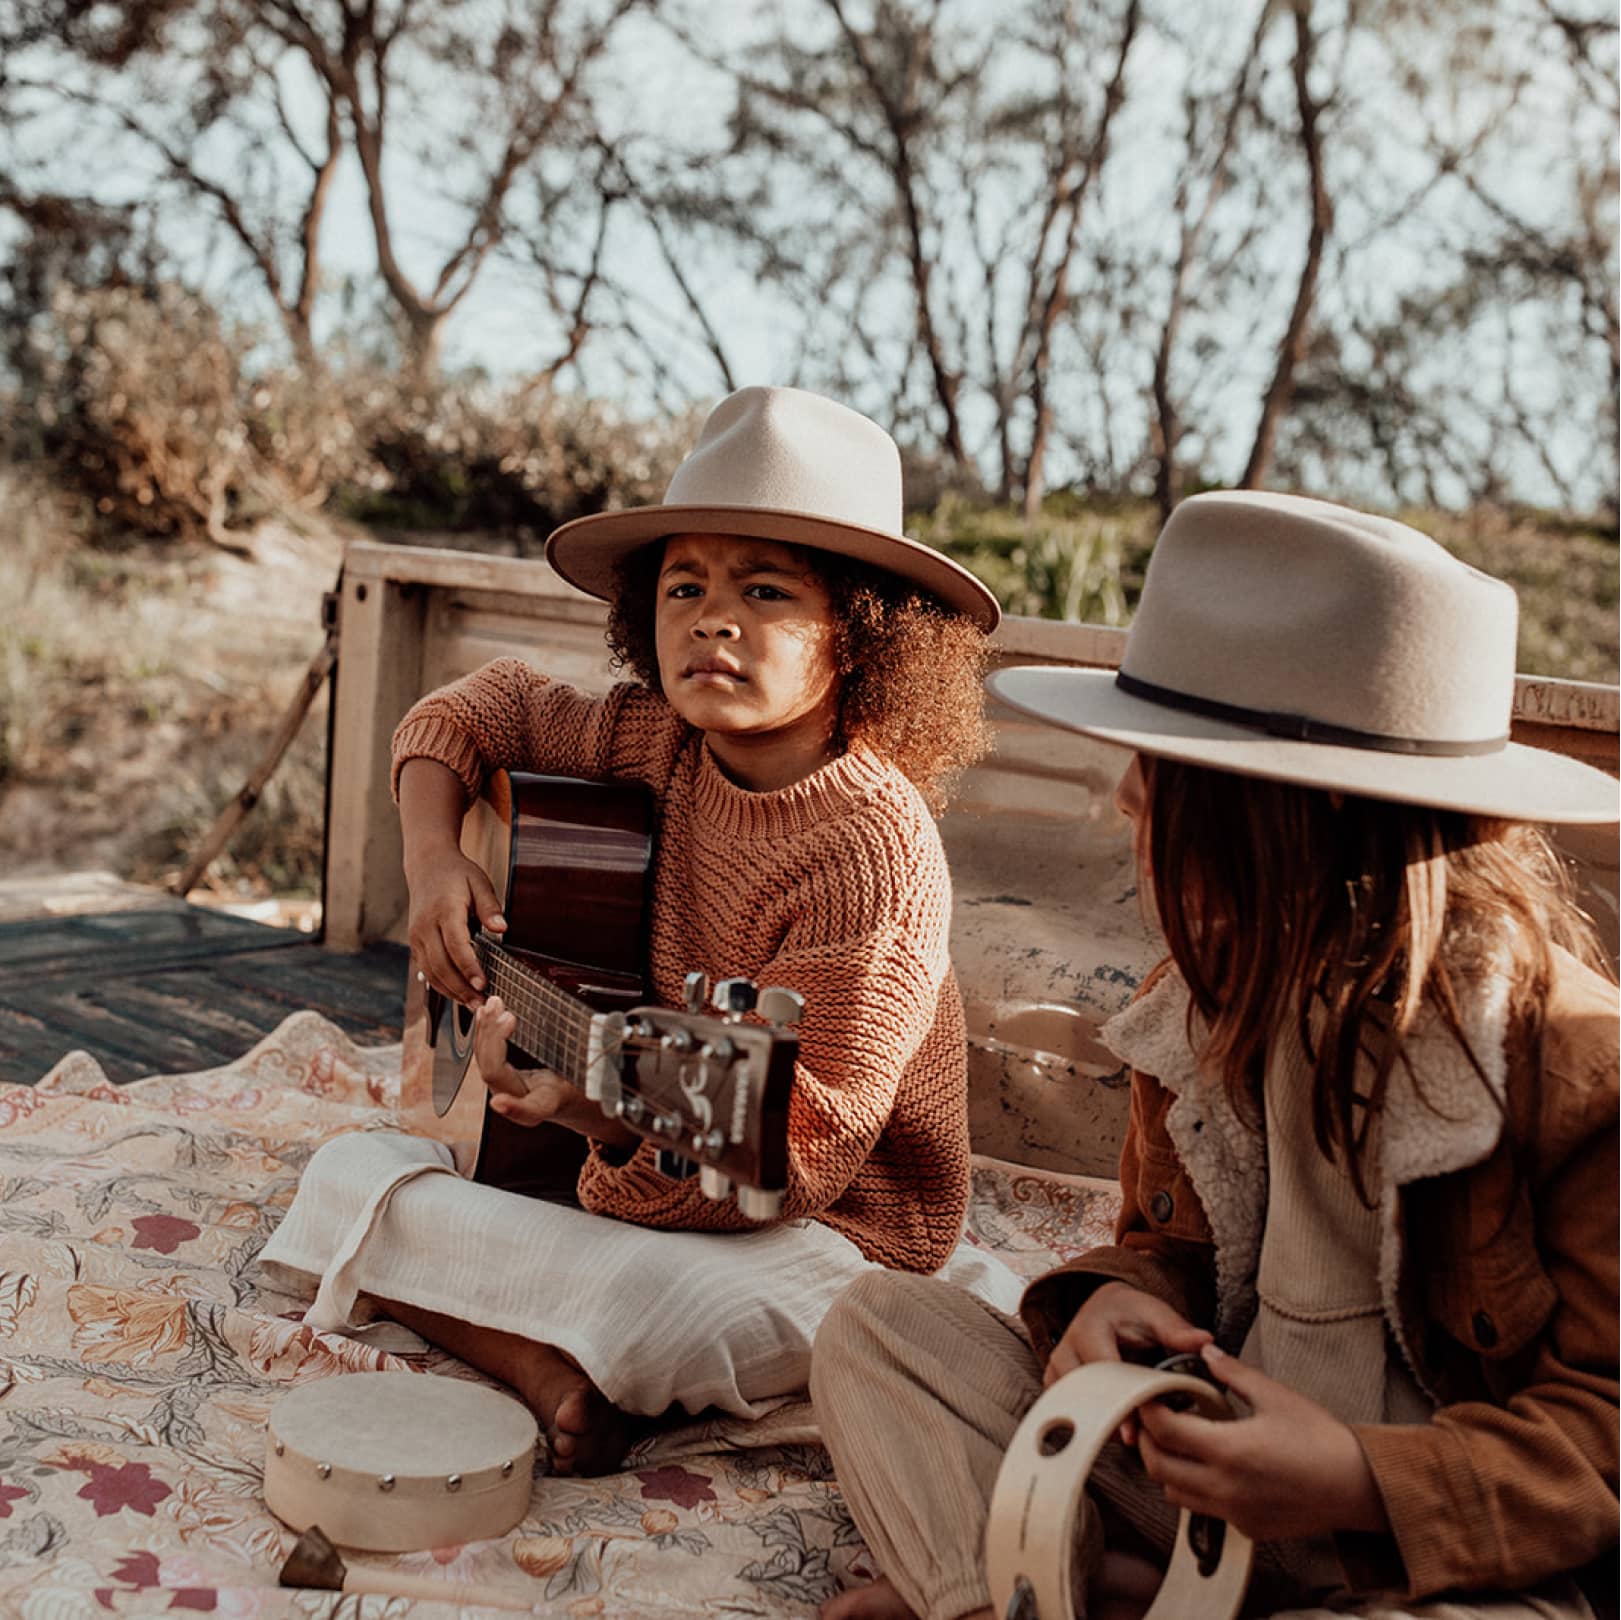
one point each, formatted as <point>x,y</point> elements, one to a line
<point>399,1462</point>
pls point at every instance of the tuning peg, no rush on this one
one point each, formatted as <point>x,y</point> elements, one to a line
<point>722,1053</point>
<point>781,1007</point>
<point>756,1204</point>
<point>734,997</point>
<point>712,1183</point>
<point>694,988</point>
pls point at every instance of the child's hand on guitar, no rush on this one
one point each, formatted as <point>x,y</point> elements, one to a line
<point>445,887</point>
<point>535,1096</point>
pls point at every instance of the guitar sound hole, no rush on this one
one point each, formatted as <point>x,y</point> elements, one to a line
<point>461,1029</point>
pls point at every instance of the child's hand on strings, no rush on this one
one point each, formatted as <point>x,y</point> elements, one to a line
<point>1290,1469</point>
<point>535,1096</point>
<point>1116,1320</point>
<point>445,888</point>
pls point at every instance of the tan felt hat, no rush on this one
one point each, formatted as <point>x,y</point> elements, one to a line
<point>778,464</point>
<point>1303,642</point>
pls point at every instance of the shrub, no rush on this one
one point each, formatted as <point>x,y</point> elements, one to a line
<point>1080,564</point>
<point>133,399</point>
<point>145,407</point>
<point>475,458</point>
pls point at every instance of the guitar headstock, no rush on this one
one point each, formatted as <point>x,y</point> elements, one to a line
<point>710,1088</point>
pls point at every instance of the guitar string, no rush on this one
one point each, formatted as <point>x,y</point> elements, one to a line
<point>556,1024</point>
<point>552,1017</point>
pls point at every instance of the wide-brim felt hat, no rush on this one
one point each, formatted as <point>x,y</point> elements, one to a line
<point>1300,641</point>
<point>778,464</point>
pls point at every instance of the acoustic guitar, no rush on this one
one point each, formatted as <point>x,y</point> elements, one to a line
<point>571,861</point>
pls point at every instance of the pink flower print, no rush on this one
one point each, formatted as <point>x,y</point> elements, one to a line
<point>164,1233</point>
<point>674,1484</point>
<point>143,1572</point>
<point>112,1486</point>
<point>8,1495</point>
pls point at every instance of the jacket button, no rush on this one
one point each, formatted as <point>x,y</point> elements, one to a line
<point>1161,1207</point>
<point>1485,1330</point>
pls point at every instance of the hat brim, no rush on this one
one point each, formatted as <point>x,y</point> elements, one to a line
<point>1516,782</point>
<point>586,551</point>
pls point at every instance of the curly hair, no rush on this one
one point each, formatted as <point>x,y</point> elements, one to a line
<point>909,668</point>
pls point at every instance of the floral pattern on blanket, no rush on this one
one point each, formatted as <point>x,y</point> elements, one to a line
<point>140,1354</point>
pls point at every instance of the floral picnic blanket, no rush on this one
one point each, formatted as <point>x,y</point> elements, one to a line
<point>140,1354</point>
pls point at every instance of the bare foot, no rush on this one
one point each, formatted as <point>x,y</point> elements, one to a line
<point>589,1434</point>
<point>880,1601</point>
<point>586,1432</point>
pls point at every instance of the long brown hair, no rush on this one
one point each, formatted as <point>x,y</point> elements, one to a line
<point>910,669</point>
<point>1286,903</point>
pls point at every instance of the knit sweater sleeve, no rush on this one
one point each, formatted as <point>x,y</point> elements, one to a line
<point>508,716</point>
<point>867,948</point>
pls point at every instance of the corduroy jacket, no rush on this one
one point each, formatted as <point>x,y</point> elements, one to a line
<point>1498,1215</point>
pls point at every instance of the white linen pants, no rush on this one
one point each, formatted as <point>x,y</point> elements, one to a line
<point>655,1318</point>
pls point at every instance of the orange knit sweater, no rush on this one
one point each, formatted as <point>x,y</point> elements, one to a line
<point>836,887</point>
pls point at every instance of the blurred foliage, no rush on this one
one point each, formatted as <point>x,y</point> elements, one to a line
<point>1074,562</point>
<point>145,408</point>
<point>1085,560</point>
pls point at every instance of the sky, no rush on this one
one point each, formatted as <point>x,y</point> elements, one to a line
<point>502,328</point>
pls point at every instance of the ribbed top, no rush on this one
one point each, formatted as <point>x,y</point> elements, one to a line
<point>836,887</point>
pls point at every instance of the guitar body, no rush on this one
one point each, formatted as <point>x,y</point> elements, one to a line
<point>570,861</point>
<point>709,1087</point>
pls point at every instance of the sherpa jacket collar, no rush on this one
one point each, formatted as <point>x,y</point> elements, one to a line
<point>1454,1124</point>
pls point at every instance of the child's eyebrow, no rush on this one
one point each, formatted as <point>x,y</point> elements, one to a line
<point>763,565</point>
<point>740,569</point>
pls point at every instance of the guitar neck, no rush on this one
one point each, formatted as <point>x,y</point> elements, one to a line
<point>554,1027</point>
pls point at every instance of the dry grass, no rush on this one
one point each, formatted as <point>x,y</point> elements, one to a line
<point>138,688</point>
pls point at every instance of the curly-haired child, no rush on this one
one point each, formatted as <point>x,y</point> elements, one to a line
<point>806,682</point>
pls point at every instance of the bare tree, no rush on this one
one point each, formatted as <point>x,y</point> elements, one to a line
<point>1200,186</point>
<point>1080,152</point>
<point>524,82</point>
<point>465,100</point>
<point>1292,346</point>
<point>179,78</point>
<point>955,157</point>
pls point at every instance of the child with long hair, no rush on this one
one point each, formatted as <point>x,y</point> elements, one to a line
<point>806,681</point>
<point>1370,1171</point>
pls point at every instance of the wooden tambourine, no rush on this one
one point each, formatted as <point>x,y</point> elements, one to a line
<point>1030,1536</point>
<point>399,1462</point>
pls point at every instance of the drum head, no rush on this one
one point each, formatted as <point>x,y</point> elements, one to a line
<point>398,1462</point>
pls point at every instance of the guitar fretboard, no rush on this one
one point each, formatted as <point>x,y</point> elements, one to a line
<point>553,1028</point>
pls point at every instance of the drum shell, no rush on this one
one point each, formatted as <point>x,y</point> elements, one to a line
<point>324,1465</point>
